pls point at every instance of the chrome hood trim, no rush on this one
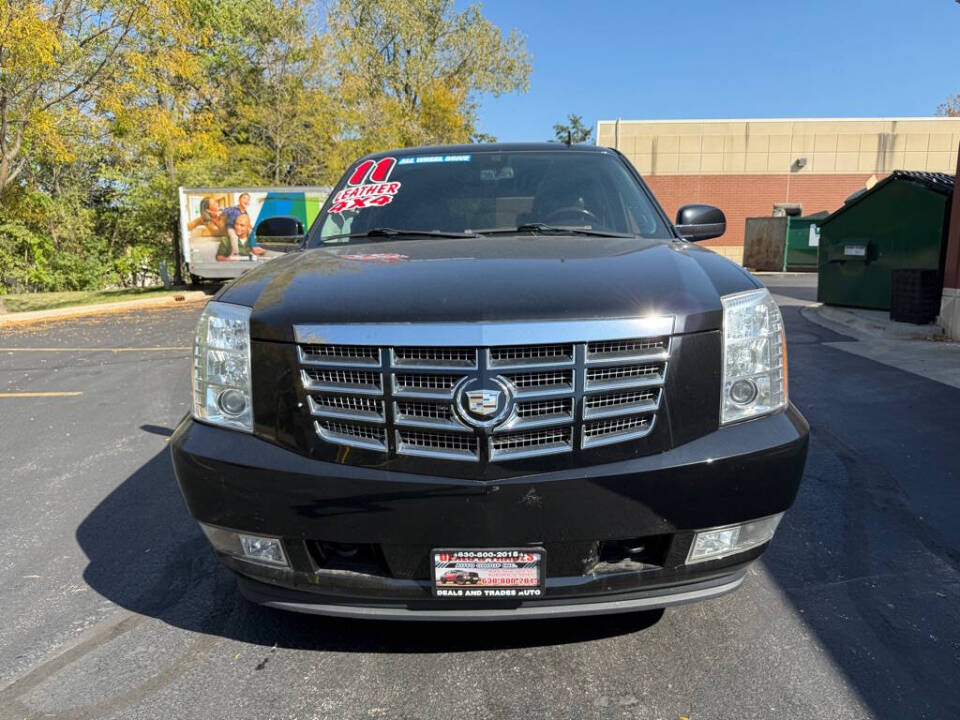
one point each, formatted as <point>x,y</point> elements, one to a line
<point>484,334</point>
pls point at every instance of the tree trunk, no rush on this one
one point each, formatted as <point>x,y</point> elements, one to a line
<point>177,254</point>
<point>276,163</point>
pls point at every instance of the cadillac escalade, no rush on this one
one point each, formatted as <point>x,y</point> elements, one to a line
<point>500,362</point>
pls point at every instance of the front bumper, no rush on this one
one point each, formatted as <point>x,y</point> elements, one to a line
<point>735,474</point>
<point>283,599</point>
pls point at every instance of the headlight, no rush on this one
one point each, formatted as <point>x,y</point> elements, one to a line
<point>221,367</point>
<point>754,356</point>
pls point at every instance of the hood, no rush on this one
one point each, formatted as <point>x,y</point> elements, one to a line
<point>511,278</point>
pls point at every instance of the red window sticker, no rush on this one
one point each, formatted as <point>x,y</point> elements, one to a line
<point>367,186</point>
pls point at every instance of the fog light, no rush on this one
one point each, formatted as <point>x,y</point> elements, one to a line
<point>268,550</point>
<point>717,543</point>
<point>250,547</point>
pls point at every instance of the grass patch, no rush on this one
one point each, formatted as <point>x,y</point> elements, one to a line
<point>49,301</point>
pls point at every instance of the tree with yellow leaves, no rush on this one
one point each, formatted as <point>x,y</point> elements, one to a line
<point>409,72</point>
<point>166,107</point>
<point>54,58</point>
<point>280,112</point>
<point>106,106</point>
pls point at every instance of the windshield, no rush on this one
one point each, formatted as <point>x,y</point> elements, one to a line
<point>488,192</point>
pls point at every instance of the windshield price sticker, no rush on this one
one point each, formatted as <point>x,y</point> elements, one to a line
<point>510,573</point>
<point>367,186</point>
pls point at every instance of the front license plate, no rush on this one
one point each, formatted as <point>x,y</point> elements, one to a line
<point>495,573</point>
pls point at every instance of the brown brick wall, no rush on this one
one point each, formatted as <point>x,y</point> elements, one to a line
<point>743,196</point>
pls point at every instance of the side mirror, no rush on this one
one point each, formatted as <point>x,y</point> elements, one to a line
<point>280,234</point>
<point>700,222</point>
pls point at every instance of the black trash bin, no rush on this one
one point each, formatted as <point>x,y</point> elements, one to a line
<point>915,295</point>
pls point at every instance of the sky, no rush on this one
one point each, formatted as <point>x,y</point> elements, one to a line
<point>666,59</point>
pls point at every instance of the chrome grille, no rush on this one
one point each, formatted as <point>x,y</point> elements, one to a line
<point>400,398</point>
<point>434,411</point>
<point>359,381</point>
<point>346,406</point>
<point>530,355</point>
<point>425,385</point>
<point>334,354</point>
<point>545,408</point>
<point>512,446</point>
<point>424,414</point>
<point>620,350</point>
<point>352,434</point>
<point>530,414</point>
<point>604,432</point>
<point>432,444</point>
<point>622,376</point>
<point>619,403</point>
<point>547,382</point>
<point>435,357</point>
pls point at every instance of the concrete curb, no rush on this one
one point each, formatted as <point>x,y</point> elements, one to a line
<point>857,321</point>
<point>33,316</point>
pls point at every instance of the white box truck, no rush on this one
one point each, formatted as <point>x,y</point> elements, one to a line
<point>225,231</point>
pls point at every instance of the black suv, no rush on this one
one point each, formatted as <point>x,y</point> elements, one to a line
<point>500,352</point>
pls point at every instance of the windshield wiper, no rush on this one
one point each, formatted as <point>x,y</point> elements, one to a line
<point>544,229</point>
<point>385,232</point>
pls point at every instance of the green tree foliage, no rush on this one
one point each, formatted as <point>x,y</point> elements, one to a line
<point>572,131</point>
<point>54,57</point>
<point>284,120</point>
<point>106,106</point>
<point>409,72</point>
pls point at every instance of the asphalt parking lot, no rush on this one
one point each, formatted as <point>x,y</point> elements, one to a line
<point>113,605</point>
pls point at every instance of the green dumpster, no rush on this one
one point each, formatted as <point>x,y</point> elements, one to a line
<point>900,223</point>
<point>774,244</point>
<point>803,242</point>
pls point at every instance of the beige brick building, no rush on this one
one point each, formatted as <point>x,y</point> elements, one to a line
<point>745,167</point>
